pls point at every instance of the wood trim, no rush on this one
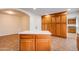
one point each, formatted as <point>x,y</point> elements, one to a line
<point>57,13</point>
<point>25,36</point>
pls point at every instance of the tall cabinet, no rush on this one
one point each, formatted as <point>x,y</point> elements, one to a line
<point>55,23</point>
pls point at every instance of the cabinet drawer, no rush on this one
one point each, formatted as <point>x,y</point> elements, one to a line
<point>27,36</point>
<point>43,37</point>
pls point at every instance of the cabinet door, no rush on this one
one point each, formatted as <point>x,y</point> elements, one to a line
<point>53,29</point>
<point>49,27</point>
<point>58,29</point>
<point>46,26</point>
<point>57,19</point>
<point>46,19</point>
<point>43,20</point>
<point>63,19</point>
<point>53,19</point>
<point>43,44</point>
<point>43,27</point>
<point>63,30</point>
<point>27,44</point>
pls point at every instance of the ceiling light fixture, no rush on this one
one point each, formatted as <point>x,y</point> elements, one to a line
<point>10,12</point>
<point>68,9</point>
<point>34,8</point>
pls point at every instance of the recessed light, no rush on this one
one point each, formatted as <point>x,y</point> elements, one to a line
<point>34,8</point>
<point>68,9</point>
<point>10,12</point>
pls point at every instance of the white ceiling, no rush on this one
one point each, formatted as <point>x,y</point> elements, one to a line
<point>46,11</point>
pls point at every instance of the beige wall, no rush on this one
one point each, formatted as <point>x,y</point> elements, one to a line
<point>25,23</point>
<point>11,24</point>
<point>35,20</point>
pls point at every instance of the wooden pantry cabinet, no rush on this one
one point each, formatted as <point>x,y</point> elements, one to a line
<point>55,23</point>
<point>35,42</point>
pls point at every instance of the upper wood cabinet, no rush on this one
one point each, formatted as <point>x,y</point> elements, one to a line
<point>53,29</point>
<point>46,19</point>
<point>58,26</point>
<point>57,19</point>
<point>63,30</point>
<point>63,19</point>
<point>53,19</point>
<point>45,26</point>
<point>49,27</point>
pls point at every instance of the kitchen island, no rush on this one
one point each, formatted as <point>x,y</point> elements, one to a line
<point>35,41</point>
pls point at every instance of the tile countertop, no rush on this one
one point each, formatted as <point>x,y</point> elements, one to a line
<point>35,32</point>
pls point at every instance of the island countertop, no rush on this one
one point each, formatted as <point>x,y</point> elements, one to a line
<point>35,32</point>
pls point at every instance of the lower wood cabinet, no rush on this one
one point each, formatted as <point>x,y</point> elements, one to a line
<point>27,44</point>
<point>35,42</point>
<point>43,43</point>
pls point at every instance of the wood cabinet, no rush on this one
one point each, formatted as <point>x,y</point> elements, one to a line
<point>46,19</point>
<point>35,42</point>
<point>63,30</point>
<point>49,27</point>
<point>63,19</point>
<point>53,19</point>
<point>72,30</point>
<point>72,21</point>
<point>57,19</point>
<point>53,29</point>
<point>56,24</point>
<point>72,25</point>
<point>27,43</point>
<point>44,26</point>
<point>58,29</point>
<point>43,43</point>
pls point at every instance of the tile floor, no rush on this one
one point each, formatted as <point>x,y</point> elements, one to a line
<point>10,43</point>
<point>64,44</point>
